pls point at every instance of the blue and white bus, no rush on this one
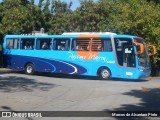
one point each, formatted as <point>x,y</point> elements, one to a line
<point>94,54</point>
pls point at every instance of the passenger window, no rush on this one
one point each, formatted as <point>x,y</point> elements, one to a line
<point>44,44</point>
<point>97,45</point>
<point>101,45</point>
<point>12,43</point>
<point>27,43</point>
<point>81,45</point>
<point>61,44</point>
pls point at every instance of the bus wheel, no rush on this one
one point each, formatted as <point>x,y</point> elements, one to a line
<point>104,73</point>
<point>29,69</point>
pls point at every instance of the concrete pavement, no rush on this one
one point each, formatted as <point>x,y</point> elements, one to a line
<point>20,92</point>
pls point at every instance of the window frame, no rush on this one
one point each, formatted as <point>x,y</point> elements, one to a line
<point>27,40</point>
<point>59,46</point>
<point>42,41</point>
<point>13,43</point>
<point>81,46</point>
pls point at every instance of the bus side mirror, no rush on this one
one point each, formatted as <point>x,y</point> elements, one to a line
<point>152,48</point>
<point>140,48</point>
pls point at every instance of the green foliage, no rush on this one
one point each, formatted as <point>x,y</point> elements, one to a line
<point>138,18</point>
<point>60,18</point>
<point>40,3</point>
<point>16,17</point>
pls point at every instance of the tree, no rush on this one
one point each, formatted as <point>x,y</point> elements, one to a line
<point>61,16</point>
<point>94,17</point>
<point>155,1</point>
<point>139,18</point>
<point>40,3</point>
<point>17,17</point>
<point>84,17</point>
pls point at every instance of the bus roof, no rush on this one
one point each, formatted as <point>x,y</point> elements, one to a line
<point>72,36</point>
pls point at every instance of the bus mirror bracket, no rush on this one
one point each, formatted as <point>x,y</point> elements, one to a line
<point>141,51</point>
<point>154,50</point>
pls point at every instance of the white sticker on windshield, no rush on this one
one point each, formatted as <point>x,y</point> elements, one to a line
<point>127,51</point>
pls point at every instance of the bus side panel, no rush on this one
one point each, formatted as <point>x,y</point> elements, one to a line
<point>106,59</point>
<point>146,73</point>
<point>18,62</point>
<point>95,61</point>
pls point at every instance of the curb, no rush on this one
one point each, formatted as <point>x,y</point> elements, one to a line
<point>153,78</point>
<point>5,70</point>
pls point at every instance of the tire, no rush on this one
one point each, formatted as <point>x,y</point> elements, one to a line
<point>29,69</point>
<point>104,74</point>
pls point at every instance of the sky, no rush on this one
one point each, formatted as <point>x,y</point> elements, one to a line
<point>74,6</point>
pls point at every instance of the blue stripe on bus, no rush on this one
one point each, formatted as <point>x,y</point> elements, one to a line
<point>18,62</point>
<point>44,61</point>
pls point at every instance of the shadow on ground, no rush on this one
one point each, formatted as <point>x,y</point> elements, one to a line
<point>150,103</point>
<point>18,84</point>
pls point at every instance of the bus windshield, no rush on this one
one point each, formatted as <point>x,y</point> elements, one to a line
<point>143,59</point>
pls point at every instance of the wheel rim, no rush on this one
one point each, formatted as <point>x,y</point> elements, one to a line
<point>105,73</point>
<point>29,69</point>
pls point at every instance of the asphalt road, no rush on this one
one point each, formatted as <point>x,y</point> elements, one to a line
<point>48,92</point>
